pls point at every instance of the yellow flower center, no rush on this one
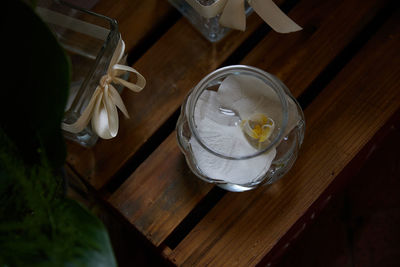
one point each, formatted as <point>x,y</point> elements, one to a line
<point>259,127</point>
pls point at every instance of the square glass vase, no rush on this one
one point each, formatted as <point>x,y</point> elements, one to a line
<point>90,40</point>
<point>208,27</point>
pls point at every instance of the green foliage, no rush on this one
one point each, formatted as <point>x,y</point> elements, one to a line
<point>39,226</point>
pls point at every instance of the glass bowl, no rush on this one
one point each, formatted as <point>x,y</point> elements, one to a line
<point>239,128</point>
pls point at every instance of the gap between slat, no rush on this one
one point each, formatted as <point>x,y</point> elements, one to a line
<point>168,127</point>
<point>333,68</point>
<point>151,37</point>
<point>323,79</point>
<point>240,53</point>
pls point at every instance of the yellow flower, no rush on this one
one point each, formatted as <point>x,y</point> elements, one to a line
<point>259,127</point>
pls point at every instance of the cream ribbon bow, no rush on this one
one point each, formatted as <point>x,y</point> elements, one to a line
<point>102,107</point>
<point>233,14</point>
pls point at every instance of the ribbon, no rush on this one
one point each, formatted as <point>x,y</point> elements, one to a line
<point>102,107</point>
<point>233,14</point>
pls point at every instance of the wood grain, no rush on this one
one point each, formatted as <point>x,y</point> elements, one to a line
<point>137,206</point>
<point>242,228</point>
<point>136,19</point>
<point>329,26</point>
<point>172,67</point>
<point>160,193</point>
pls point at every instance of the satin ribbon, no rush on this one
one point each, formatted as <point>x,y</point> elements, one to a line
<point>233,14</point>
<point>102,107</point>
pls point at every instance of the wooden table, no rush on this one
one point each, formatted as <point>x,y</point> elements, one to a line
<point>343,67</point>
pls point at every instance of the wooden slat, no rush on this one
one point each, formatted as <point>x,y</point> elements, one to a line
<point>328,27</point>
<point>138,205</point>
<point>155,200</point>
<point>136,18</point>
<point>172,67</point>
<point>242,228</point>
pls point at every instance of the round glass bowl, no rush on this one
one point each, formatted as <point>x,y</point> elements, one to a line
<point>240,127</point>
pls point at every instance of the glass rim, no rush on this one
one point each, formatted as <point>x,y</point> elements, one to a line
<point>279,88</point>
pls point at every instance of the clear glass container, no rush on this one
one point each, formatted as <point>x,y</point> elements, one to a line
<point>240,127</point>
<point>209,27</point>
<point>90,40</point>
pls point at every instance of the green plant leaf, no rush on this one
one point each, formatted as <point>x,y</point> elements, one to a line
<point>38,225</point>
<point>35,87</point>
<point>92,235</point>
